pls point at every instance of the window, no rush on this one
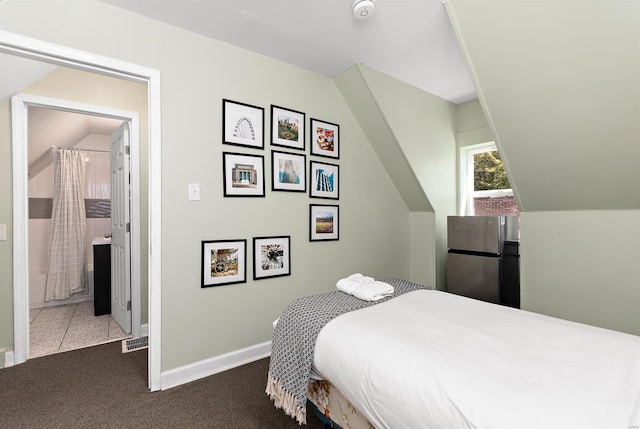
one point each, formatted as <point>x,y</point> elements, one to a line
<point>485,188</point>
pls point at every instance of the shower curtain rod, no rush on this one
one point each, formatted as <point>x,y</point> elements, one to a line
<point>86,150</point>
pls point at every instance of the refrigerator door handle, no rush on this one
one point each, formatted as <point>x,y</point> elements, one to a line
<point>471,252</point>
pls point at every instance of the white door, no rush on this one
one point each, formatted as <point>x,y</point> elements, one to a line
<point>120,229</point>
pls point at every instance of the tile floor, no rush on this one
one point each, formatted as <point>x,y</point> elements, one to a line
<point>68,327</point>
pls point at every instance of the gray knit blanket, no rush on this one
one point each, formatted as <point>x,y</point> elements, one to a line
<point>294,342</point>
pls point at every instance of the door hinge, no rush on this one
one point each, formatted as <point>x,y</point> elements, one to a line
<point>127,150</point>
<point>128,227</point>
<point>128,305</point>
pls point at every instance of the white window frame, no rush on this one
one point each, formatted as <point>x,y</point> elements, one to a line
<point>466,178</point>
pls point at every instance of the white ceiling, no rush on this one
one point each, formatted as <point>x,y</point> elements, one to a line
<point>411,40</point>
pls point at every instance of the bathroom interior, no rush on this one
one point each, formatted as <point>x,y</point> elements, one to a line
<point>58,325</point>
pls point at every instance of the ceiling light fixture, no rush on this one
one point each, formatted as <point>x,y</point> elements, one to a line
<point>363,9</point>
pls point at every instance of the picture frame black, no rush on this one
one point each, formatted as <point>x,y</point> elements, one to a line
<point>224,262</point>
<point>324,222</point>
<point>324,138</point>
<point>243,175</point>
<point>287,127</point>
<point>288,171</point>
<point>242,124</point>
<point>271,257</point>
<point>324,180</point>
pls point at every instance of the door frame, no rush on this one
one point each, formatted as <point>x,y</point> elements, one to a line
<point>20,104</point>
<point>14,44</point>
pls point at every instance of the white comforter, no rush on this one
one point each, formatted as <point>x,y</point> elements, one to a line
<point>429,359</point>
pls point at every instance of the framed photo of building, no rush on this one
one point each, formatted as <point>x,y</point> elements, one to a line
<point>224,262</point>
<point>271,257</point>
<point>288,172</point>
<point>323,222</point>
<point>243,175</point>
<point>243,124</point>
<point>324,180</point>
<point>287,127</point>
<point>324,138</point>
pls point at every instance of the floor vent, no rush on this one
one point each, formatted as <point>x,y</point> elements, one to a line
<point>134,344</point>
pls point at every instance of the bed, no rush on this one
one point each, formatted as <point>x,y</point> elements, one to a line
<point>429,359</point>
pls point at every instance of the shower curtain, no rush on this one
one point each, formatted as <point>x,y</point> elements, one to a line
<point>66,274</point>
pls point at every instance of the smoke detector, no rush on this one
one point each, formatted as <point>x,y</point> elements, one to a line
<point>363,9</point>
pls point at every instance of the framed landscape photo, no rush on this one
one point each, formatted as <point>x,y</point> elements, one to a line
<point>271,257</point>
<point>287,127</point>
<point>325,138</point>
<point>323,222</point>
<point>324,180</point>
<point>288,171</point>
<point>224,262</point>
<point>243,175</point>
<point>243,124</point>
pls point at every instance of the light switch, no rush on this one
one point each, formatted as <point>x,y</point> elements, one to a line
<point>194,191</point>
<point>3,232</point>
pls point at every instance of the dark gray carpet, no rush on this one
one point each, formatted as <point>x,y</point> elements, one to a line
<point>99,387</point>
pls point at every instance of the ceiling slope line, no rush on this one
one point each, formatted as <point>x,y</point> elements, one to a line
<point>485,109</point>
<point>358,96</point>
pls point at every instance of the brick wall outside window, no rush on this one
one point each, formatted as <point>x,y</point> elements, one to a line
<point>495,206</point>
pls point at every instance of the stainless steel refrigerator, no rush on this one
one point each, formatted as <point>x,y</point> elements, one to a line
<point>474,260</point>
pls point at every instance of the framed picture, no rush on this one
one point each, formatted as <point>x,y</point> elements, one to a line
<point>224,262</point>
<point>289,172</point>
<point>324,180</point>
<point>323,222</point>
<point>243,124</point>
<point>325,138</point>
<point>243,175</point>
<point>271,257</point>
<point>287,127</point>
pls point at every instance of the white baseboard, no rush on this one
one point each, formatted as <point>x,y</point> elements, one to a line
<point>214,365</point>
<point>8,359</point>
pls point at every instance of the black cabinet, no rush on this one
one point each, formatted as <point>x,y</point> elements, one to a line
<point>101,279</point>
<point>510,285</point>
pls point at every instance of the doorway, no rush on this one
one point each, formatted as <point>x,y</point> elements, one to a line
<point>25,47</point>
<point>81,319</point>
<point>67,109</point>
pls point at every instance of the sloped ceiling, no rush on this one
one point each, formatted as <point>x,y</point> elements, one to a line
<point>560,85</point>
<point>411,40</point>
<point>365,108</point>
<point>48,127</point>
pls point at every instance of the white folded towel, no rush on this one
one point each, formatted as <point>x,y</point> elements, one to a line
<point>347,285</point>
<point>357,277</point>
<point>365,288</point>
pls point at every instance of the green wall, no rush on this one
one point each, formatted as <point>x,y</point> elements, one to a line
<point>561,97</point>
<point>583,266</point>
<point>423,126</point>
<point>471,125</point>
<point>358,93</point>
<point>197,73</point>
